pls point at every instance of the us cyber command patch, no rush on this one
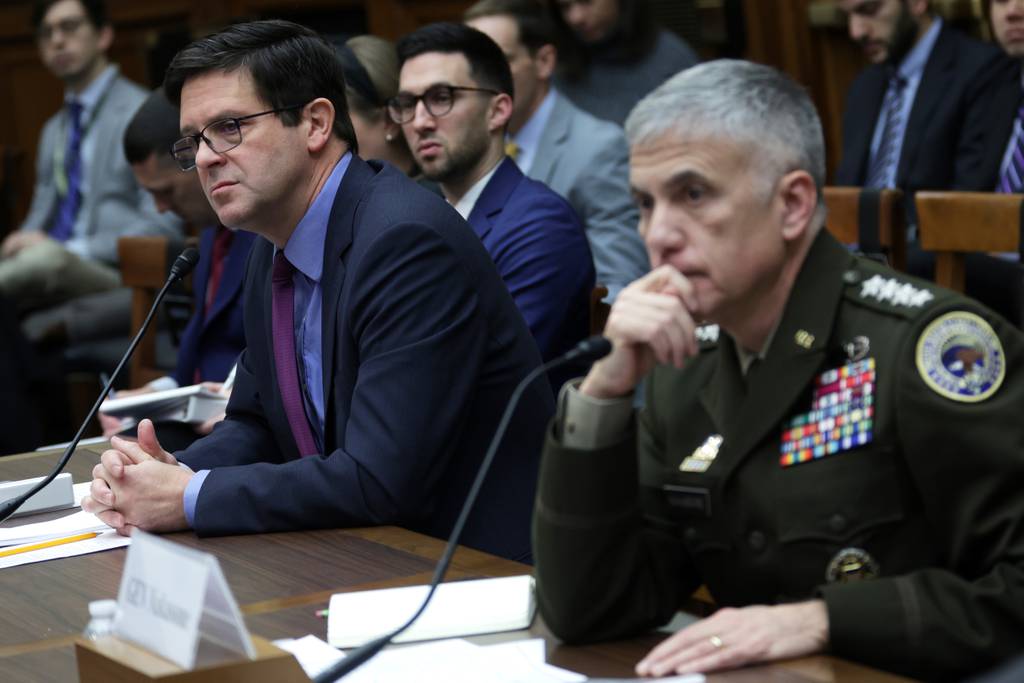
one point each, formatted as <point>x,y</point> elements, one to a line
<point>960,357</point>
<point>841,416</point>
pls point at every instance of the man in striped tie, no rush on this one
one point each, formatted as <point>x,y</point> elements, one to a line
<point>911,115</point>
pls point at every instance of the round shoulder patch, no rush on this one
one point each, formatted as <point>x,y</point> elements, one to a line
<point>960,357</point>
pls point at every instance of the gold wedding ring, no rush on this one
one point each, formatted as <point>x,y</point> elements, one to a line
<point>716,642</point>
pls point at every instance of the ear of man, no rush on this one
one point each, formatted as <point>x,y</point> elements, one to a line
<point>499,112</point>
<point>320,117</point>
<point>799,198</point>
<point>545,60</point>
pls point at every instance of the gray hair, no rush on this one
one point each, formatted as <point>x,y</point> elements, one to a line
<point>750,104</point>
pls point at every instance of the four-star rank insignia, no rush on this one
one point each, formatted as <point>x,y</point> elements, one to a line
<point>841,416</point>
<point>960,357</point>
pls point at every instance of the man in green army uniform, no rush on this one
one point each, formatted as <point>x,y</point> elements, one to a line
<point>838,456</point>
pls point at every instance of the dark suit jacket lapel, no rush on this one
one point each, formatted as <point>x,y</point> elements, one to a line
<point>934,84</point>
<point>1006,100</point>
<point>788,368</point>
<point>725,390</point>
<point>552,140</point>
<point>494,197</point>
<point>201,277</point>
<point>863,116</point>
<point>357,178</point>
<point>231,277</point>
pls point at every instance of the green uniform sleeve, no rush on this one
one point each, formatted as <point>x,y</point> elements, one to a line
<point>603,570</point>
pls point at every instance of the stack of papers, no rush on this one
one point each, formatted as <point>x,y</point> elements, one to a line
<point>444,661</point>
<point>80,522</point>
<point>449,661</point>
<point>22,542</point>
<point>192,404</point>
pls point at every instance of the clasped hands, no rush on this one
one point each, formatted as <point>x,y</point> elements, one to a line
<point>138,485</point>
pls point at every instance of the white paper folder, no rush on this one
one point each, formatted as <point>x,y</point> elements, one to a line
<point>461,608</point>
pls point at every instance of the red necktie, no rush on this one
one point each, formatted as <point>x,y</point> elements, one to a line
<point>221,246</point>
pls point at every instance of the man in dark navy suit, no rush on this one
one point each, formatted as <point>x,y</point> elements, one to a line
<point>214,336</point>
<point>918,111</point>
<point>381,344</point>
<point>454,104</point>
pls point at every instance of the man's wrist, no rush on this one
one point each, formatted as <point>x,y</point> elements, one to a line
<point>589,422</point>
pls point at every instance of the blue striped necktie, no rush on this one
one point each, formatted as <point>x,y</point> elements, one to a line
<point>1012,179</point>
<point>882,171</point>
<point>69,203</point>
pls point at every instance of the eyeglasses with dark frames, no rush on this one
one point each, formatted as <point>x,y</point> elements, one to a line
<point>222,135</point>
<point>438,99</point>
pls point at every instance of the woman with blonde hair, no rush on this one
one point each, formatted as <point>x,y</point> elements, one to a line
<point>371,79</point>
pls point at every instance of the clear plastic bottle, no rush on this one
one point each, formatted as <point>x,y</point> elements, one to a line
<point>101,619</point>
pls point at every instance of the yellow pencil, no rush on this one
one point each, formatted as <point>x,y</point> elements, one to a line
<point>46,544</point>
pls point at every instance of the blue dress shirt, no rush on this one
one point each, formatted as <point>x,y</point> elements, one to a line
<point>528,137</point>
<point>90,99</point>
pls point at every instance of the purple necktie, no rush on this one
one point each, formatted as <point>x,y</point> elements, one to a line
<point>283,326</point>
<point>68,208</point>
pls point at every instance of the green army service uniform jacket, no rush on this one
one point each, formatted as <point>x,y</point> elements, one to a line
<point>914,538</point>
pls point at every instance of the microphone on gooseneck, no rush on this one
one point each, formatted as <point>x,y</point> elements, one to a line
<point>181,267</point>
<point>591,348</point>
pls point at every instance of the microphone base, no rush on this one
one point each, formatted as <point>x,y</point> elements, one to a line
<point>57,495</point>
<point>112,660</point>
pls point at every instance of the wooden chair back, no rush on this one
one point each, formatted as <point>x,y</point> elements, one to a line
<point>144,269</point>
<point>874,220</point>
<point>953,224</point>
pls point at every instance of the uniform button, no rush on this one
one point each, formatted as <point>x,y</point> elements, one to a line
<point>837,523</point>
<point>690,534</point>
<point>852,277</point>
<point>756,540</point>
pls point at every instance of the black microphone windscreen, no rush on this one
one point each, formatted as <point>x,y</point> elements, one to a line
<point>184,264</point>
<point>592,348</point>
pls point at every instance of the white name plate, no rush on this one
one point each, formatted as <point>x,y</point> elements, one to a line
<point>175,602</point>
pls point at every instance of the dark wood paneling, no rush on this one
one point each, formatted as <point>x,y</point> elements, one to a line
<point>31,94</point>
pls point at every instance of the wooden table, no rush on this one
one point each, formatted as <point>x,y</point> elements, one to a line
<point>281,579</point>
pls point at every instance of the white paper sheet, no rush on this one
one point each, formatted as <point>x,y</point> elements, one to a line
<point>459,661</point>
<point>313,654</point>
<point>80,522</point>
<point>105,541</point>
<point>80,491</point>
<point>685,678</point>
<point>442,661</point>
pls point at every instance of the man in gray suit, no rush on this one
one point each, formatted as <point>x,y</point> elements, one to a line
<point>85,196</point>
<point>582,158</point>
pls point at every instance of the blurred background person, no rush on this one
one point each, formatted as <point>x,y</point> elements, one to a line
<point>214,336</point>
<point>613,47</point>
<point>84,197</point>
<point>577,155</point>
<point>371,79</point>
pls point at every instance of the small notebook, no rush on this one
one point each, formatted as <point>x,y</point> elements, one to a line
<point>193,404</point>
<point>460,608</point>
